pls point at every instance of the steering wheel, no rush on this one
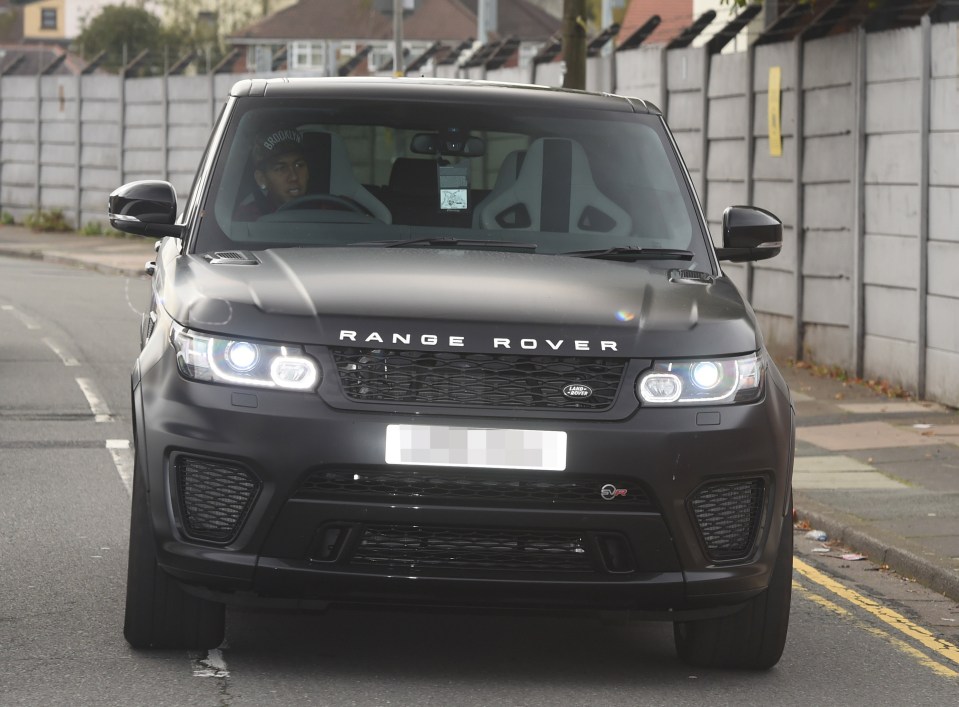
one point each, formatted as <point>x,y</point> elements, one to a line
<point>310,201</point>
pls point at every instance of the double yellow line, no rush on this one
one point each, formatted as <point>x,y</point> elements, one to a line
<point>938,646</point>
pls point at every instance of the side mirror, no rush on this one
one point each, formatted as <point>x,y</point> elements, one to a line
<point>146,208</point>
<point>750,234</point>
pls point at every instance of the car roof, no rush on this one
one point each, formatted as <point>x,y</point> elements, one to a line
<point>456,90</point>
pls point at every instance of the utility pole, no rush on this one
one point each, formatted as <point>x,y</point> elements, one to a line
<point>399,66</point>
<point>574,43</point>
<point>486,16</point>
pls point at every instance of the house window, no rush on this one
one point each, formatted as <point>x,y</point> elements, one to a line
<point>380,56</point>
<point>260,59</point>
<point>48,18</point>
<point>527,50</point>
<point>309,56</point>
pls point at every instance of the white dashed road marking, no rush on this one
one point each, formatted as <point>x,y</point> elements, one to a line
<point>97,405</point>
<point>65,356</point>
<point>123,460</point>
<point>126,294</point>
<point>25,319</point>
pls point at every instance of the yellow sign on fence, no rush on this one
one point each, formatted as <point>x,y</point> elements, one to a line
<point>775,121</point>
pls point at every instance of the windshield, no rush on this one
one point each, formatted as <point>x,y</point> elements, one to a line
<point>339,172</point>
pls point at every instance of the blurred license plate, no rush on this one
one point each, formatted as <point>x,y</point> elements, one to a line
<point>434,445</point>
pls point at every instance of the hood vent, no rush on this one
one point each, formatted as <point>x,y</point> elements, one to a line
<point>691,276</point>
<point>233,257</point>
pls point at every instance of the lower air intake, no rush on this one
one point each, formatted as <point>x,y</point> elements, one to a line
<point>214,497</point>
<point>416,547</point>
<point>728,515</point>
<point>473,488</point>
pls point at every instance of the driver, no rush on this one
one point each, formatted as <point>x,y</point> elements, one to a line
<point>280,170</point>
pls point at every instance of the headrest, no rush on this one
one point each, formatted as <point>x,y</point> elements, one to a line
<point>412,176</point>
<point>553,191</point>
<point>331,172</point>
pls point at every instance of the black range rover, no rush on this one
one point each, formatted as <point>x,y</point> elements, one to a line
<point>426,342</point>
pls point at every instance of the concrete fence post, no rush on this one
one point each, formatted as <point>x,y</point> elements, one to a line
<point>78,141</point>
<point>612,68</point>
<point>704,136</point>
<point>38,151</point>
<point>859,206</point>
<point>165,125</point>
<point>750,147</point>
<point>121,128</point>
<point>799,323</point>
<point>212,88</point>
<point>663,83</point>
<point>925,80</point>
<point>2,81</point>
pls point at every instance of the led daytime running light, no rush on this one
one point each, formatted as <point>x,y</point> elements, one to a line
<point>720,381</point>
<point>237,362</point>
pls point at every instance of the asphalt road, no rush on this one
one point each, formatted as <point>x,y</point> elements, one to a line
<point>68,338</point>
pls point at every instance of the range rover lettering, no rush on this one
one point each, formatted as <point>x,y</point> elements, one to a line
<point>461,344</point>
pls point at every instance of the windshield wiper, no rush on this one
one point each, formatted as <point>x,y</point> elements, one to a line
<point>445,241</point>
<point>629,253</point>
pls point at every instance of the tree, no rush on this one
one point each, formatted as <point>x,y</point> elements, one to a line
<point>594,13</point>
<point>578,15</point>
<point>133,29</point>
<point>574,43</point>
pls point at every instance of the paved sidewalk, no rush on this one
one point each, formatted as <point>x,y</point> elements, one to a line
<point>880,475</point>
<point>109,254</point>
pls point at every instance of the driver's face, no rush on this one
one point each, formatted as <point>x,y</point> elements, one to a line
<point>284,178</point>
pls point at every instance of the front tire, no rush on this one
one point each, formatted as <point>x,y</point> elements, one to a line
<point>159,614</point>
<point>752,638</point>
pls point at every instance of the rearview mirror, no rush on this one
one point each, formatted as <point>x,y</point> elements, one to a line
<point>750,233</point>
<point>452,142</point>
<point>145,208</point>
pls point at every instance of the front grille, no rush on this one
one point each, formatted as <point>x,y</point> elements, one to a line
<point>493,489</point>
<point>214,497</point>
<point>415,547</point>
<point>728,515</point>
<point>476,380</point>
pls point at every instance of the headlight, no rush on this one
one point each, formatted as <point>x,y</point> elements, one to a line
<point>720,381</point>
<point>241,362</point>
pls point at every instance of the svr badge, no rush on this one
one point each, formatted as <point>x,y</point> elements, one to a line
<point>609,492</point>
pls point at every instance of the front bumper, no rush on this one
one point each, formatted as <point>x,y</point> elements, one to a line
<point>295,542</point>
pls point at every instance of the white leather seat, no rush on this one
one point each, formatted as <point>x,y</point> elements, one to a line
<point>553,191</point>
<point>331,172</point>
<point>506,177</point>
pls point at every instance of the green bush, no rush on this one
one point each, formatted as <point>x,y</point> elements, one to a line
<point>6,218</point>
<point>92,228</point>
<point>52,220</point>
